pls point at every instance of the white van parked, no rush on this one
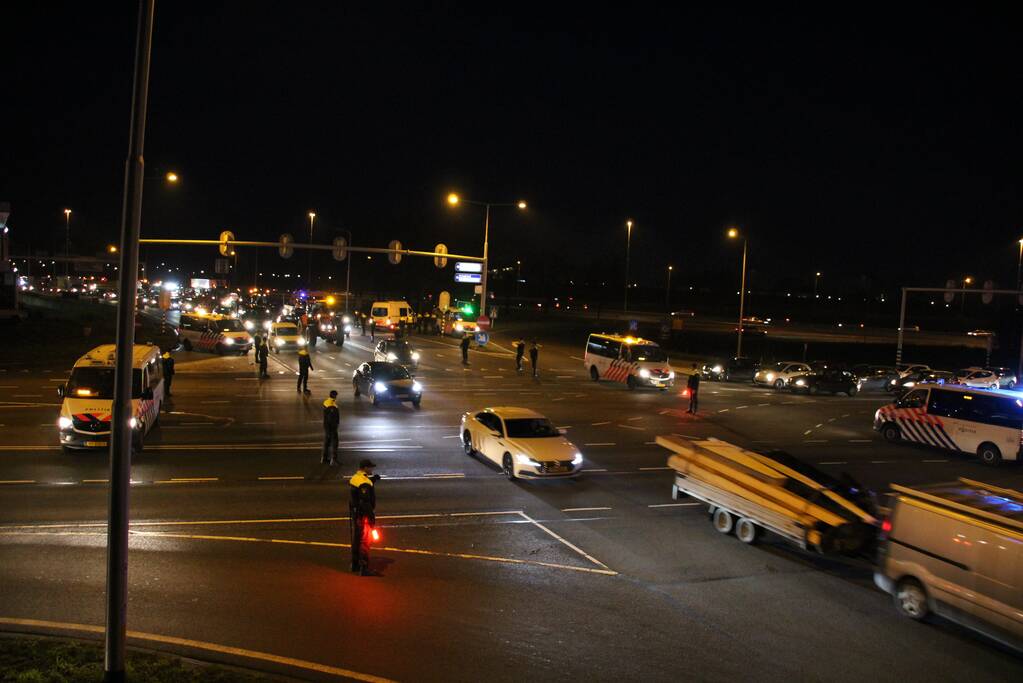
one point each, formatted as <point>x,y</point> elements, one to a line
<point>956,550</point>
<point>982,421</point>
<point>88,403</point>
<point>387,314</point>
<point>632,361</point>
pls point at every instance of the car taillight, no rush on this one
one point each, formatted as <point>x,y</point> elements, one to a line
<point>886,526</point>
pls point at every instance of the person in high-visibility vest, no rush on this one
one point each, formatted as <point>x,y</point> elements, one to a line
<point>362,514</point>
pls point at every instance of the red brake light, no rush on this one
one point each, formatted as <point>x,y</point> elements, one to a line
<point>886,526</point>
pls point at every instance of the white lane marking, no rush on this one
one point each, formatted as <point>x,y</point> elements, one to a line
<point>638,429</point>
<point>650,469</point>
<point>563,376</point>
<point>940,460</point>
<point>568,543</point>
<point>880,462</point>
<point>831,419</point>
<point>819,425</point>
<point>815,441</point>
<point>861,440</point>
<point>833,462</point>
<point>584,509</point>
<point>558,399</point>
<point>845,415</point>
<point>259,423</point>
<point>807,432</point>
<point>673,505</point>
<point>450,436</point>
<point>594,470</point>
<point>492,377</point>
<point>761,405</point>
<point>577,358</point>
<point>597,424</point>
<point>632,419</point>
<point>740,407</point>
<point>600,443</point>
<point>724,410</point>
<point>564,427</point>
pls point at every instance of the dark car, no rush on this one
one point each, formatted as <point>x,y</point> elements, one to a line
<point>825,381</point>
<point>903,384</point>
<point>397,351</point>
<point>712,370</point>
<point>257,321</point>
<point>340,328</point>
<point>386,381</point>
<point>875,377</point>
<point>740,370</point>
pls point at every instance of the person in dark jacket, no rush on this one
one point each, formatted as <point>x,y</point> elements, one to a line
<point>693,385</point>
<point>520,351</point>
<point>305,364</point>
<point>331,422</point>
<point>465,349</point>
<point>262,356</point>
<point>362,504</point>
<point>168,373</point>
<point>534,353</point>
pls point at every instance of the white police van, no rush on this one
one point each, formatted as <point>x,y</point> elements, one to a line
<point>988,422</point>
<point>633,361</point>
<point>86,410</point>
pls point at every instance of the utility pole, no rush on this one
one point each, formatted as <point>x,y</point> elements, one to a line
<point>120,429</point>
<point>628,246</point>
<point>309,274</point>
<point>67,243</point>
<point>667,294</point>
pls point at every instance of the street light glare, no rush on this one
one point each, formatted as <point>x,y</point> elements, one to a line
<point>172,177</point>
<point>733,233</point>
<point>453,199</point>
<point>521,204</point>
<point>312,214</point>
<point>112,249</point>
<point>67,212</point>
<point>628,224</point>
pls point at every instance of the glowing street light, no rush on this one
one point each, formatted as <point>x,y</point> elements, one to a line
<point>309,274</point>
<point>733,233</point>
<point>628,246</point>
<point>453,200</point>
<point>171,177</point>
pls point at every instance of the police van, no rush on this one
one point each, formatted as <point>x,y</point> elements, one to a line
<point>988,422</point>
<point>633,361</point>
<point>218,333</point>
<point>88,395</point>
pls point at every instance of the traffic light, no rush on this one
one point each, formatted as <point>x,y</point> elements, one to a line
<point>467,309</point>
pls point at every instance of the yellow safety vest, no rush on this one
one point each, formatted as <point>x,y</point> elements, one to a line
<point>359,478</point>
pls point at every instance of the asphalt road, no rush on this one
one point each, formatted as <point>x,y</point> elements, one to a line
<point>239,531</point>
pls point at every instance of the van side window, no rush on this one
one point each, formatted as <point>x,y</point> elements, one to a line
<point>612,348</point>
<point>155,374</point>
<point>402,312</point>
<point>914,399</point>
<point>945,403</point>
<point>993,410</point>
<point>186,322</point>
<point>595,345</point>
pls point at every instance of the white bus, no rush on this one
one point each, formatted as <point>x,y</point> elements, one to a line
<point>633,361</point>
<point>987,422</point>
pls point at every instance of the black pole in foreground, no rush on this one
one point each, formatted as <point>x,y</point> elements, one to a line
<point>121,430</point>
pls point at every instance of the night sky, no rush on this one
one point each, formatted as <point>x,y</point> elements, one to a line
<point>875,147</point>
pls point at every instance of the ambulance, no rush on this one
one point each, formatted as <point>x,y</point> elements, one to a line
<point>88,395</point>
<point>633,361</point>
<point>388,314</point>
<point>218,333</point>
<point>988,422</point>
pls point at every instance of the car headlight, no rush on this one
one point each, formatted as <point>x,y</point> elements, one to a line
<point>346,320</point>
<point>800,383</point>
<point>348,328</point>
<point>64,422</point>
<point>578,459</point>
<point>228,341</point>
<point>671,374</point>
<point>523,459</point>
<point>279,341</point>
<point>909,384</point>
<point>380,387</point>
<point>267,325</point>
<point>133,423</point>
<point>717,369</point>
<point>458,327</point>
<point>417,387</point>
<point>415,355</point>
<point>391,357</point>
<point>249,325</point>
<point>301,341</point>
<point>644,373</point>
<point>770,376</point>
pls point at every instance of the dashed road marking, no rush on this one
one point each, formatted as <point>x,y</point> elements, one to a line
<point>638,429</point>
<point>724,410</point>
<point>740,407</point>
<point>674,505</point>
<point>17,481</point>
<point>584,509</point>
<point>597,469</point>
<point>186,480</point>
<point>880,462</point>
<point>280,478</point>
<point>815,441</point>
<point>861,440</point>
<point>632,419</point>
<point>597,424</point>
<point>600,443</point>
<point>834,462</point>
<point>939,460</point>
<point>807,432</point>
<point>650,469</point>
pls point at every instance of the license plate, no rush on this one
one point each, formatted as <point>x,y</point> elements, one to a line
<point>96,444</point>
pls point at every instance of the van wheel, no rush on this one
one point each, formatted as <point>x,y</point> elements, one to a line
<point>911,600</point>
<point>989,454</point>
<point>852,392</point>
<point>594,375</point>
<point>891,433</point>
<point>723,521</point>
<point>187,345</point>
<point>747,531</point>
<point>355,385</point>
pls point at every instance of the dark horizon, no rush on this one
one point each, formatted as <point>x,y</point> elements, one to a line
<point>880,151</point>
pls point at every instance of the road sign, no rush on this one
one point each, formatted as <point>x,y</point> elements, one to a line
<point>987,296</point>
<point>340,248</point>
<point>225,237</point>
<point>285,249</point>
<point>949,296</point>
<point>394,257</point>
<point>468,267</point>
<point>468,277</point>
<point>633,325</point>
<point>493,311</point>
<point>440,261</point>
<point>482,338</point>
<point>483,322</point>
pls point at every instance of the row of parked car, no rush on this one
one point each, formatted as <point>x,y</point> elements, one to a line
<point>823,377</point>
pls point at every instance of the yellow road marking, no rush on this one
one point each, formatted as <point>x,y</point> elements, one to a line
<point>185,480</point>
<point>95,481</point>
<point>203,645</point>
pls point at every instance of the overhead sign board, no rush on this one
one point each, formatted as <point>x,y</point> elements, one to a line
<point>468,277</point>
<point>199,283</point>
<point>469,267</point>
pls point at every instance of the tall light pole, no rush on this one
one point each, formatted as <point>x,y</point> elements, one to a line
<point>348,275</point>
<point>1019,267</point>
<point>518,277</point>
<point>309,275</point>
<point>455,200</point>
<point>628,245</point>
<point>67,242</point>
<point>967,281</point>
<point>816,278</point>
<point>667,294</point>
<point>733,233</point>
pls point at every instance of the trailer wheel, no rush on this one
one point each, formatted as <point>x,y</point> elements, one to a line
<point>723,521</point>
<point>747,531</point>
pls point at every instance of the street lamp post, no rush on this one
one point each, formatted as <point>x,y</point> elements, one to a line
<point>518,277</point>
<point>67,242</point>
<point>816,278</point>
<point>348,275</point>
<point>667,294</point>
<point>734,234</point>
<point>628,245</point>
<point>454,200</point>
<point>309,274</point>
<point>967,281</point>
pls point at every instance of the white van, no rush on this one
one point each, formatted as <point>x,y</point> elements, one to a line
<point>633,361</point>
<point>956,550</point>
<point>218,333</point>
<point>982,421</point>
<point>85,412</point>
<point>387,314</point>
